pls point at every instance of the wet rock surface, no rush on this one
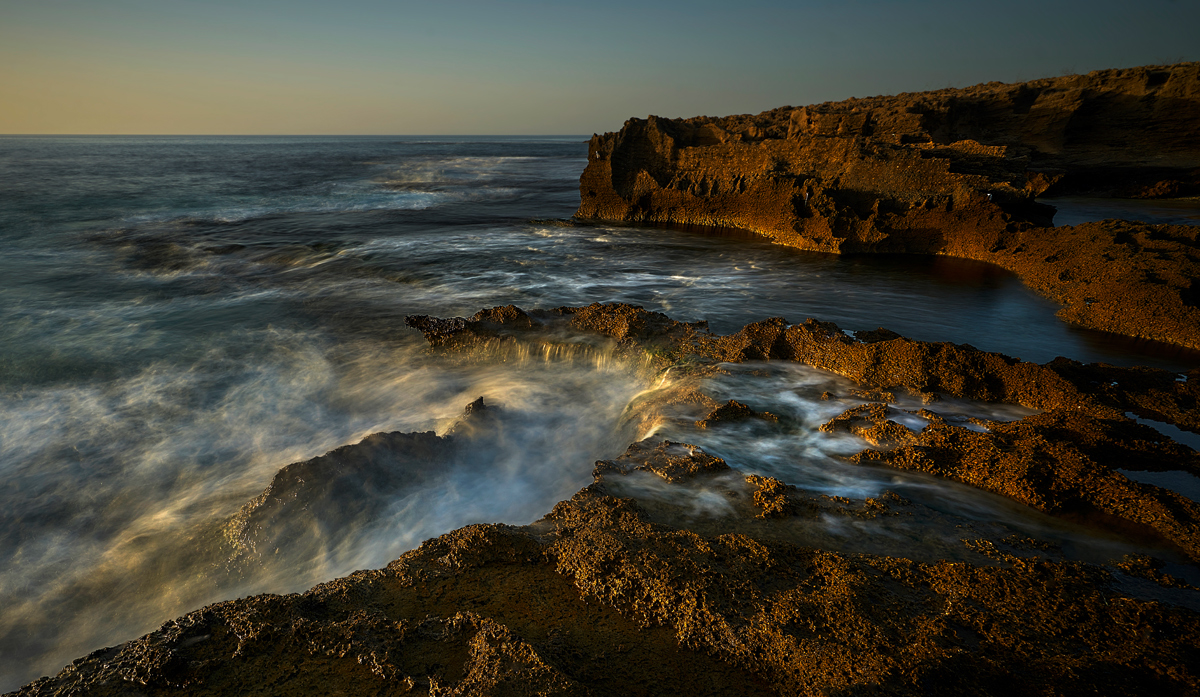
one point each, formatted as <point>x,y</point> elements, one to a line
<point>732,411</point>
<point>345,487</point>
<point>675,573</point>
<point>885,361</point>
<point>308,503</point>
<point>606,596</point>
<point>1062,461</point>
<point>953,172</point>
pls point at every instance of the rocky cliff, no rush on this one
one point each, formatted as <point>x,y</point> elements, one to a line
<point>953,171</point>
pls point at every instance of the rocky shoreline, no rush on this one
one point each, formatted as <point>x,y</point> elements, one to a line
<point>952,172</point>
<point>627,589</point>
<point>623,590</point>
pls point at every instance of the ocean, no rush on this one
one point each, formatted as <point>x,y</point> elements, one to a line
<point>182,316</point>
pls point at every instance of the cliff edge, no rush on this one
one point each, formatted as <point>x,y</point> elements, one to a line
<point>953,171</point>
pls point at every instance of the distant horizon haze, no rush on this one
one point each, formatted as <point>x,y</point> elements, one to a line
<point>368,67</point>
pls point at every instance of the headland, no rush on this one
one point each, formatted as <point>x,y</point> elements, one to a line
<point>955,172</point>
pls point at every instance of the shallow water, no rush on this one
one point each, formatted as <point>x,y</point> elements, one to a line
<point>796,452</point>
<point>180,317</point>
<point>1073,210</point>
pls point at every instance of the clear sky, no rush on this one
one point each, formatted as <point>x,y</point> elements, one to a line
<point>528,67</point>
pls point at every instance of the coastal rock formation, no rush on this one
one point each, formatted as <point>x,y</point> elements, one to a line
<point>308,503</point>
<point>1116,276</point>
<point>674,573</point>
<point>1062,461</point>
<point>880,359</point>
<point>734,411</point>
<point>610,595</point>
<point>345,488</point>
<point>951,172</point>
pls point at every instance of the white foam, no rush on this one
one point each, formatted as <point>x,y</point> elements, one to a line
<point>122,472</point>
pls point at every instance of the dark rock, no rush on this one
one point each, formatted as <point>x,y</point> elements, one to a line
<point>1062,461</point>
<point>734,411</point>
<point>308,505</point>
<point>870,422</point>
<point>621,590</point>
<point>920,368</point>
<point>674,462</point>
<point>307,502</point>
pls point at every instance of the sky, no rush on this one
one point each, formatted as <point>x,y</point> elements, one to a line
<point>529,67</point>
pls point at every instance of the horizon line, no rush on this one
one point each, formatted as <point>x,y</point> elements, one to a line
<point>303,135</point>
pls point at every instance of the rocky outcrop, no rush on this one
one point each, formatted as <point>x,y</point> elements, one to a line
<point>947,172</point>
<point>343,489</point>
<point>1116,276</point>
<point>881,360</point>
<point>307,504</point>
<point>734,410</point>
<point>1063,461</point>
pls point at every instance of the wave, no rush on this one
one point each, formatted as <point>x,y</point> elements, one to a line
<point>115,491</point>
<point>342,199</point>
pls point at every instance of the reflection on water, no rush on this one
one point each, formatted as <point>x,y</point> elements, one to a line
<point>1073,210</point>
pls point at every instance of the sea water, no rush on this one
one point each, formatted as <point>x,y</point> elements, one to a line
<point>182,316</point>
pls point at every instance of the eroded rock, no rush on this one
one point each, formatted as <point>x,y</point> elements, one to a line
<point>630,587</point>
<point>674,462</point>
<point>1063,461</point>
<point>308,504</point>
<point>896,364</point>
<point>952,172</point>
<point>734,411</point>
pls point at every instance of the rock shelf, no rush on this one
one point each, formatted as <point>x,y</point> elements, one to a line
<point>621,591</point>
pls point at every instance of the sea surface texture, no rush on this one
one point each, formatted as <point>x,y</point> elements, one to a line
<point>182,316</point>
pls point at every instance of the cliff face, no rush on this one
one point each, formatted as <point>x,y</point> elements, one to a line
<point>912,172</point>
<point>952,172</point>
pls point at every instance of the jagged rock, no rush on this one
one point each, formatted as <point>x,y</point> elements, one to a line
<point>674,462</point>
<point>870,422</point>
<point>900,364</point>
<point>946,172</point>
<point>733,411</point>
<point>623,589</point>
<point>1063,461</point>
<point>776,499</point>
<point>308,503</point>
